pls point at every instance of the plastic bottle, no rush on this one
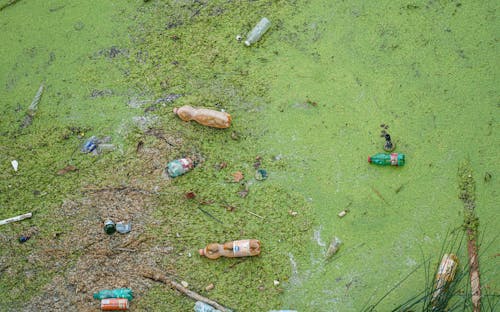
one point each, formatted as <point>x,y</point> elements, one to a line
<point>114,293</point>
<point>109,227</point>
<point>393,159</point>
<point>444,277</point>
<point>258,31</point>
<point>238,248</point>
<point>122,227</point>
<point>204,116</point>
<point>179,167</point>
<point>333,247</point>
<point>114,304</point>
<point>201,306</point>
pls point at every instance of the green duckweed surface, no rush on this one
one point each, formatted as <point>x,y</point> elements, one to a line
<point>307,101</point>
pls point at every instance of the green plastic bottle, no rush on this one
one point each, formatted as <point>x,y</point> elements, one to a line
<point>393,159</point>
<point>179,167</point>
<point>114,293</point>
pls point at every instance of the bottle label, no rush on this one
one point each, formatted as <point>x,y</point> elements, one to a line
<point>394,159</point>
<point>241,248</point>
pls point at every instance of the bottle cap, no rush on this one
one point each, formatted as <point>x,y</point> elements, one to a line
<point>202,252</point>
<point>369,159</point>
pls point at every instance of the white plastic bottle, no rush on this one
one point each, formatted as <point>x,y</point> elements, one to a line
<point>258,31</point>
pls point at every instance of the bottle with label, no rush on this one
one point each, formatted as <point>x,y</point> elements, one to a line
<point>444,277</point>
<point>204,116</point>
<point>179,167</point>
<point>114,293</point>
<point>393,159</point>
<point>258,31</point>
<point>238,248</point>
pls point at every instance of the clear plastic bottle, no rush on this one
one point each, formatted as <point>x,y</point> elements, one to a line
<point>258,31</point>
<point>204,116</point>
<point>201,306</point>
<point>238,248</point>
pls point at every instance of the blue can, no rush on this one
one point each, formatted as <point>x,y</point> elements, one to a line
<point>90,145</point>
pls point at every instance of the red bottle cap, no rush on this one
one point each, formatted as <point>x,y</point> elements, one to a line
<point>369,159</point>
<point>202,252</point>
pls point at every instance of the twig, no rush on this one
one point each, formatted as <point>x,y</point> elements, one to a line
<point>8,4</point>
<point>17,218</point>
<point>379,195</point>
<point>254,214</point>
<point>193,295</point>
<point>210,215</point>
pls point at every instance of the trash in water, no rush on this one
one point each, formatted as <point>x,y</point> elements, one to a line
<point>24,238</point>
<point>343,213</point>
<point>201,306</point>
<point>238,248</point>
<point>123,228</point>
<point>388,145</point>
<point>258,31</point>
<point>30,114</point>
<point>90,145</point>
<point>109,227</point>
<point>204,116</point>
<point>114,304</point>
<point>179,167</point>
<point>15,164</point>
<point>261,175</point>
<point>114,293</point>
<point>333,248</point>
<point>16,218</point>
<point>393,159</point>
<point>444,277</point>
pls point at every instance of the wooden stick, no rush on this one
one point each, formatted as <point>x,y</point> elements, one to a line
<point>14,219</point>
<point>164,279</point>
<point>467,195</point>
<point>11,2</point>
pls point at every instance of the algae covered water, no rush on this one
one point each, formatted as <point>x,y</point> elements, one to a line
<point>310,103</point>
<point>427,73</point>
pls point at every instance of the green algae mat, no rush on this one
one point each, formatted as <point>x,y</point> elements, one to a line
<point>309,103</point>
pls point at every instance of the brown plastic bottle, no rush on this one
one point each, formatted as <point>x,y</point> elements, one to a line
<point>204,116</point>
<point>238,248</point>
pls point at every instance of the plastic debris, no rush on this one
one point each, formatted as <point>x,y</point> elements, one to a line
<point>333,247</point>
<point>261,175</point>
<point>114,293</point>
<point>90,145</point>
<point>122,227</point>
<point>203,307</point>
<point>24,238</point>
<point>258,31</point>
<point>179,167</point>
<point>238,248</point>
<point>15,164</point>
<point>17,218</point>
<point>204,116</point>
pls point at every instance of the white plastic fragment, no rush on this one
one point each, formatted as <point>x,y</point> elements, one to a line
<point>17,218</point>
<point>15,164</point>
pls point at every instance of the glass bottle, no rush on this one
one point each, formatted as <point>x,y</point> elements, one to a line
<point>393,159</point>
